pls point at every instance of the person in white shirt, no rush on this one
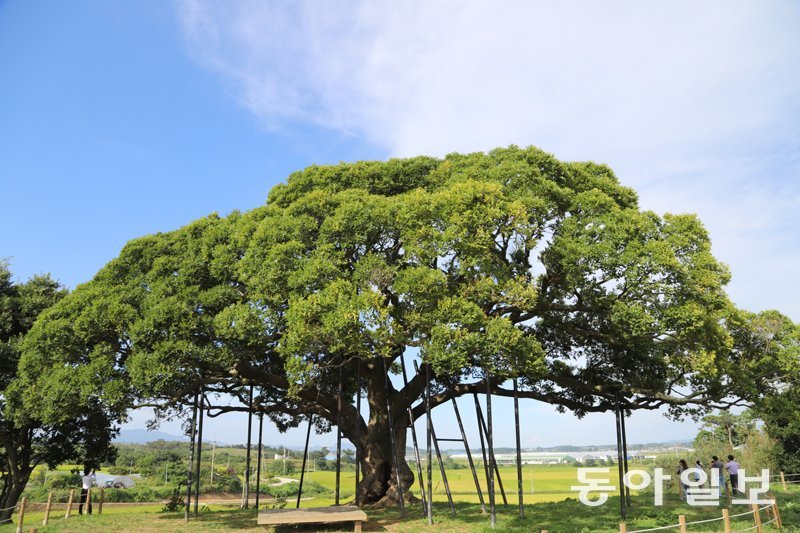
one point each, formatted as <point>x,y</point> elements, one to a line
<point>733,472</point>
<point>87,481</point>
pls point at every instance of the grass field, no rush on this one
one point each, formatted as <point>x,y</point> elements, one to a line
<point>567,516</point>
<point>552,506</point>
<point>541,483</point>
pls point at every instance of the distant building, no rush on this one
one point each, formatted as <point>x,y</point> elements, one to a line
<point>528,458</point>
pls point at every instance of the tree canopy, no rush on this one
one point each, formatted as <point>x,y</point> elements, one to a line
<point>779,404</point>
<point>508,264</point>
<point>26,440</point>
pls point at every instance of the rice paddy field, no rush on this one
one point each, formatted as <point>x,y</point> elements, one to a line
<point>541,483</point>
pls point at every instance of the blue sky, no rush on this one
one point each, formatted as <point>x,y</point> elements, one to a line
<point>123,119</point>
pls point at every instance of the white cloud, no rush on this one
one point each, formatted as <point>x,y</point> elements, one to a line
<point>696,105</point>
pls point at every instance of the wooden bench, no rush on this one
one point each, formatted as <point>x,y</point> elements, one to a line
<point>312,515</point>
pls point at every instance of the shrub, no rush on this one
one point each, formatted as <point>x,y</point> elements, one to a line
<point>62,480</point>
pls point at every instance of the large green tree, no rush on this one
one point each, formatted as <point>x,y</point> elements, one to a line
<point>779,406</point>
<point>510,264</point>
<point>82,436</point>
<point>727,427</point>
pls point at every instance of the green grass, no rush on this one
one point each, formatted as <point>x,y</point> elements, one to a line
<point>565,515</point>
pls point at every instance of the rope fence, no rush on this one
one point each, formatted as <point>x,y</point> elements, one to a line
<point>683,526</point>
<point>9,519</point>
<point>48,506</point>
<point>673,526</point>
<point>708,520</point>
<point>89,500</point>
<point>786,479</point>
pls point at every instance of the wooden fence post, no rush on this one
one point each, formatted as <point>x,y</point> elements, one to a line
<point>757,518</point>
<point>726,520</point>
<point>69,503</point>
<point>623,527</point>
<point>21,518</point>
<point>682,523</point>
<point>88,501</point>
<point>777,514</point>
<point>47,508</point>
<point>102,498</point>
<point>783,480</point>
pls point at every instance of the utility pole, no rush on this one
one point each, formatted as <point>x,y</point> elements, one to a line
<point>284,460</point>
<point>213,451</point>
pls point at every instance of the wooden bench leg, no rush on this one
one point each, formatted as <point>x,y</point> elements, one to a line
<point>358,526</point>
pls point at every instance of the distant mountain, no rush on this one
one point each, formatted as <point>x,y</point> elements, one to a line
<point>143,436</point>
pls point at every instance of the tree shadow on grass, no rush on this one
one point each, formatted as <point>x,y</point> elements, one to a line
<point>223,519</point>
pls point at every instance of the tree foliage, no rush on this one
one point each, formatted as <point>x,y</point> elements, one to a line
<point>779,408</point>
<point>510,264</point>
<point>26,440</point>
<point>728,427</point>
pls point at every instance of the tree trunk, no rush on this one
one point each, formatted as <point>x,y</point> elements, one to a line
<point>378,486</point>
<point>18,472</point>
<point>11,495</point>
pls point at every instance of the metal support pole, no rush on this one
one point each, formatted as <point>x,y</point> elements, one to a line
<point>441,464</point>
<point>199,454</point>
<point>429,436</point>
<point>469,455</point>
<point>339,434</point>
<point>246,492</point>
<point>394,442</point>
<point>260,446</point>
<point>490,445</point>
<point>191,462</point>
<point>622,508</point>
<point>442,472</point>
<point>625,456</point>
<point>478,414</point>
<point>358,428</point>
<point>305,457</point>
<point>414,437</point>
<point>519,451</point>
<point>492,461</point>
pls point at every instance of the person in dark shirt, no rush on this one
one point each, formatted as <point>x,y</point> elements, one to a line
<point>717,464</point>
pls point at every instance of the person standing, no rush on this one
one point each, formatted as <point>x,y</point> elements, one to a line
<point>717,470</point>
<point>87,481</point>
<point>698,469</point>
<point>682,467</point>
<point>733,473</point>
